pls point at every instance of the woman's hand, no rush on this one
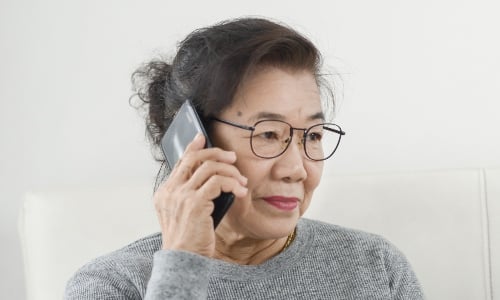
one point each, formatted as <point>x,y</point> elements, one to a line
<point>184,201</point>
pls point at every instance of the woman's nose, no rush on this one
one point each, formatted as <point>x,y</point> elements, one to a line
<point>290,165</point>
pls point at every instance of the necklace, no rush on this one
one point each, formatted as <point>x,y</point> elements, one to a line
<point>289,239</point>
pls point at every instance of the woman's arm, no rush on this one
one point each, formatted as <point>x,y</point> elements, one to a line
<point>178,275</point>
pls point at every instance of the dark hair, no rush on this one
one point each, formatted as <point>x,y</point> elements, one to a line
<point>212,62</point>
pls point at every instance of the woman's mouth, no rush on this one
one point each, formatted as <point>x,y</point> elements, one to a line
<point>282,202</point>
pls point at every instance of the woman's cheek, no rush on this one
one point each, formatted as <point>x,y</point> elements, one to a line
<point>304,205</point>
<point>313,179</point>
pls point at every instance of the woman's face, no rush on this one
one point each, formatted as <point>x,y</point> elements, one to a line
<point>279,189</point>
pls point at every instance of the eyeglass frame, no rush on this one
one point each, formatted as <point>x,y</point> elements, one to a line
<point>340,132</point>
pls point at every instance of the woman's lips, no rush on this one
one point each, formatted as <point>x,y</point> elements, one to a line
<point>282,203</point>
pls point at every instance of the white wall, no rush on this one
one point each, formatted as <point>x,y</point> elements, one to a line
<point>421,88</point>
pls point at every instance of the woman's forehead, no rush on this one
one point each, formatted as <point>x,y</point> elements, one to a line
<point>278,94</point>
<point>266,115</point>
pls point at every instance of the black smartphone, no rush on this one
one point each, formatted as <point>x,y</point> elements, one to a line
<point>184,127</point>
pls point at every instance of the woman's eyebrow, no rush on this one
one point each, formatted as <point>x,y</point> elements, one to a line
<point>267,115</point>
<point>270,115</point>
<point>317,116</point>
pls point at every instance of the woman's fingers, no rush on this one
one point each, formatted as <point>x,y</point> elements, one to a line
<point>211,168</point>
<point>195,155</point>
<point>217,184</point>
<point>181,166</point>
<point>184,201</point>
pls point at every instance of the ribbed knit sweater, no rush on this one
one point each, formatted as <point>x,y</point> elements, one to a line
<point>323,262</point>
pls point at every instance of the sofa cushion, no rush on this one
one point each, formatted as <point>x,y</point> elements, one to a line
<point>435,218</point>
<point>438,219</point>
<point>62,230</point>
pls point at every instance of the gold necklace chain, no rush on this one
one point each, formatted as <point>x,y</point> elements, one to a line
<point>289,239</point>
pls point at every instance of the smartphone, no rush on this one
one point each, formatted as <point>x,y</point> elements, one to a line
<point>184,127</point>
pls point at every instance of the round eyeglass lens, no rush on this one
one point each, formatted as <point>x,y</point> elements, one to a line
<point>270,138</point>
<point>322,140</point>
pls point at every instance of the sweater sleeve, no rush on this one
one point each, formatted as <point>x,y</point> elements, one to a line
<point>178,275</point>
<point>100,280</point>
<point>173,275</point>
<point>403,282</point>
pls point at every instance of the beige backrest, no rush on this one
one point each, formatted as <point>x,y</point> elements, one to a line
<point>63,229</point>
<point>438,219</point>
<point>446,222</point>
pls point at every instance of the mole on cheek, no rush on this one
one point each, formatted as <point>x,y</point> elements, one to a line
<point>239,114</point>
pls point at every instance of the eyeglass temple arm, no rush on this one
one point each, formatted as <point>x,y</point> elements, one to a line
<point>251,128</point>
<point>341,132</point>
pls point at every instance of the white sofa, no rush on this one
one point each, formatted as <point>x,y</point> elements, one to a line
<point>446,222</point>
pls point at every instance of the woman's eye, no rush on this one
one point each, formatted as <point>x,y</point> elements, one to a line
<point>314,136</point>
<point>268,135</point>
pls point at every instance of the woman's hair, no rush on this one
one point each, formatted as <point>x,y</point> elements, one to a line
<point>212,62</point>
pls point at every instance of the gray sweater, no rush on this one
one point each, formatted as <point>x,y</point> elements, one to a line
<point>324,262</point>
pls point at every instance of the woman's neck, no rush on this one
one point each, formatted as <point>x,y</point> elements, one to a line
<point>246,251</point>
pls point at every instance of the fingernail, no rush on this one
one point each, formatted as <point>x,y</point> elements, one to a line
<point>243,191</point>
<point>198,137</point>
<point>233,155</point>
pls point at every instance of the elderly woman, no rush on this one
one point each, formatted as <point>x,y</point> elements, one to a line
<point>257,87</point>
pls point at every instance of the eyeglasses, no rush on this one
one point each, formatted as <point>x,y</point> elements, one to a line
<point>271,138</point>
